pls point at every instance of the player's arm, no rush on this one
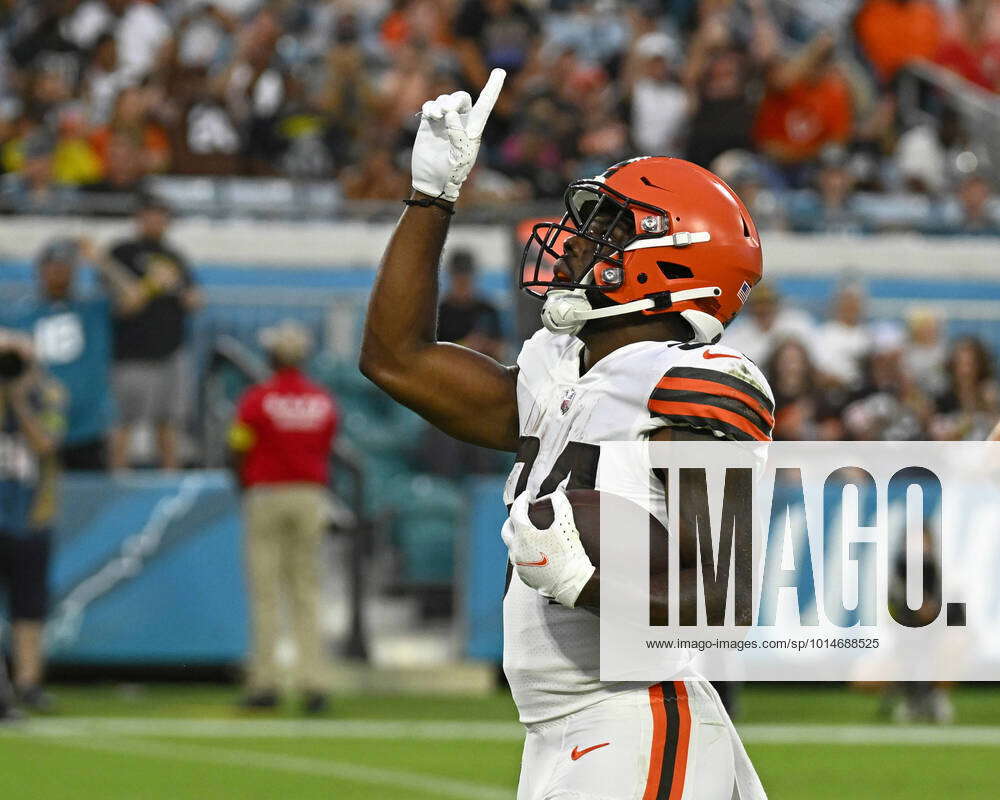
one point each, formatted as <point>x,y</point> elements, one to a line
<point>465,393</point>
<point>129,293</point>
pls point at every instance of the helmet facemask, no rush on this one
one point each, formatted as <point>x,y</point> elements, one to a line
<point>597,214</point>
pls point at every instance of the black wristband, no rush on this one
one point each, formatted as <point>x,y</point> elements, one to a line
<point>425,202</point>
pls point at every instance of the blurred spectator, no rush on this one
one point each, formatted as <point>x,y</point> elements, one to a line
<point>141,31</point>
<point>376,177</point>
<point>313,89</point>
<point>973,49</point>
<point>845,340</point>
<point>348,98</point>
<point>131,121</point>
<point>31,425</point>
<point>723,71</point>
<point>968,407</point>
<point>807,106</point>
<point>407,82</point>
<point>281,442</point>
<point>150,377</point>
<point>596,31</point>
<point>201,38</point>
<point>256,87</point>
<point>72,339</point>
<point>974,213</point>
<point>803,408</point>
<point>423,21</point>
<point>494,33</point>
<point>926,351</point>
<point>889,406</point>
<point>124,172</point>
<point>659,104</point>
<point>32,189</point>
<point>834,207</point>
<point>766,323</point>
<point>464,315</point>
<point>926,154</point>
<point>103,79</point>
<point>74,162</point>
<point>535,156</point>
<point>891,33</point>
<point>40,41</point>
<point>604,139</point>
<point>204,137</point>
<point>917,701</point>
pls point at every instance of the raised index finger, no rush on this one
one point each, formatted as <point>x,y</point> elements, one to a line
<point>484,105</point>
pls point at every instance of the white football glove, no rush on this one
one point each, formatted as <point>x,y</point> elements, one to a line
<point>551,561</point>
<point>447,142</point>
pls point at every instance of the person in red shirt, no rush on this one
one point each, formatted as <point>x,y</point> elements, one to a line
<point>280,442</point>
<point>973,48</point>
<point>807,106</point>
<point>893,33</point>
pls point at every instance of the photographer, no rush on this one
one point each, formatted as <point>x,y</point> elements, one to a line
<point>31,427</point>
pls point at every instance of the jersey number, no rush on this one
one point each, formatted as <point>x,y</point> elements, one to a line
<point>578,460</point>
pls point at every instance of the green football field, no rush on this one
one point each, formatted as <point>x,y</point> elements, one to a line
<point>175,743</point>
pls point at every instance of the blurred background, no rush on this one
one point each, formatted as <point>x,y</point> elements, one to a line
<point>178,176</point>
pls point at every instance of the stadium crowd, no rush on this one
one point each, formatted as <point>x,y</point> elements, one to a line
<point>797,104</point>
<point>849,378</point>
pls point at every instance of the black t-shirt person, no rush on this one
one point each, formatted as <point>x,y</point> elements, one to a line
<point>157,330</point>
<point>458,320</point>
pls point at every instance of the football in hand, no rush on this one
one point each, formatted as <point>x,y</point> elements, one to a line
<point>586,505</point>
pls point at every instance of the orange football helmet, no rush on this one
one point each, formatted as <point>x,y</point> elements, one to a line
<point>692,248</point>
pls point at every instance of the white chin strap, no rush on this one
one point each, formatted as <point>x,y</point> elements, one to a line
<point>567,310</point>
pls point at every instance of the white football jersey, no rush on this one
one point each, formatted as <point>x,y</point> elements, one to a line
<point>551,653</point>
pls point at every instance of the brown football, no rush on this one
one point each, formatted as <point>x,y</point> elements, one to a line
<point>587,515</point>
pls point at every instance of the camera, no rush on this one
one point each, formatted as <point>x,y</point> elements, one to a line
<point>12,365</point>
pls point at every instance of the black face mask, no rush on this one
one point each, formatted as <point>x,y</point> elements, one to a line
<point>12,365</point>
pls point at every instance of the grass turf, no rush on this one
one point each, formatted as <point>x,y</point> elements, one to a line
<point>51,766</point>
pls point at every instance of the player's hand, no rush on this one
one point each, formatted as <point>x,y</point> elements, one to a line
<point>552,560</point>
<point>447,143</point>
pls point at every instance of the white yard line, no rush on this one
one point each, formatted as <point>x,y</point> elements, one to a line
<point>81,727</point>
<point>945,735</point>
<point>299,765</point>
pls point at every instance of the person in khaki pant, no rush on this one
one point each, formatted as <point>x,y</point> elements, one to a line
<point>281,442</point>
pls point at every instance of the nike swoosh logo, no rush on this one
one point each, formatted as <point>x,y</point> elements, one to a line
<point>710,354</point>
<point>578,753</point>
<point>542,563</point>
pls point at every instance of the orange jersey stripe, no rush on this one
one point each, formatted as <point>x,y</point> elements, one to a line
<point>709,412</point>
<point>710,387</point>
<point>659,741</point>
<point>683,740</point>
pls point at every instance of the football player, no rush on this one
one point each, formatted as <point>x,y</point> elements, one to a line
<point>652,259</point>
